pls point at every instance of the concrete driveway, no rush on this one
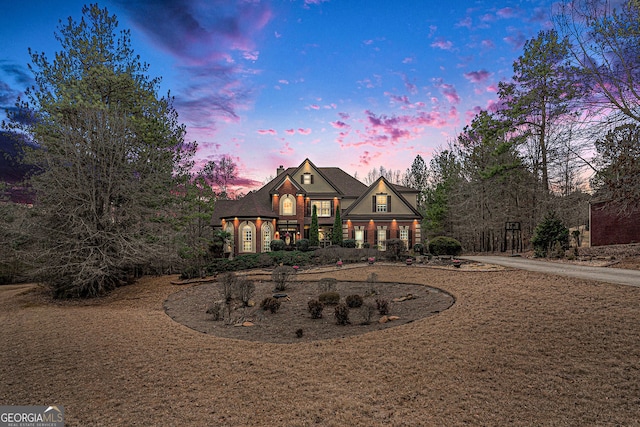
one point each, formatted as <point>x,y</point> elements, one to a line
<point>603,274</point>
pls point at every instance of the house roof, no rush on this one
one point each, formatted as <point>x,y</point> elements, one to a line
<point>258,203</point>
<point>396,190</point>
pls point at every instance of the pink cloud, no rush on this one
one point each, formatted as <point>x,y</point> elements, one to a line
<point>488,44</point>
<point>506,12</point>
<point>267,132</point>
<point>477,76</point>
<point>442,44</point>
<point>340,125</point>
<point>516,40</point>
<point>290,131</point>
<point>314,107</point>
<point>408,60</point>
<point>286,150</point>
<point>466,22</point>
<point>344,116</point>
<point>251,56</point>
<point>304,131</point>
<point>397,98</point>
<point>449,92</point>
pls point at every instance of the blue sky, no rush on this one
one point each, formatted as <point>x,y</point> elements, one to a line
<point>354,84</point>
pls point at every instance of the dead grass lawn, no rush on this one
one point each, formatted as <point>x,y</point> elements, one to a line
<point>517,348</point>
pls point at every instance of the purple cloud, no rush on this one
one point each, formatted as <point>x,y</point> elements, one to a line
<point>304,131</point>
<point>442,44</point>
<point>201,36</point>
<point>466,22</point>
<point>449,91</point>
<point>506,13</point>
<point>267,132</point>
<point>477,76</point>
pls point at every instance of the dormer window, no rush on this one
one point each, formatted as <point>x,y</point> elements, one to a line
<point>306,178</point>
<point>381,203</point>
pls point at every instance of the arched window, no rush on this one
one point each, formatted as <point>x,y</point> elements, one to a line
<point>287,205</point>
<point>247,237</point>
<point>266,237</point>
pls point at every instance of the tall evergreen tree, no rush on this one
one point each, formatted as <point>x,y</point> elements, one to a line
<point>108,151</point>
<point>314,238</point>
<point>336,233</point>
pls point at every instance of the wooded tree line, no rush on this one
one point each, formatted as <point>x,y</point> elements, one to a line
<point>565,130</point>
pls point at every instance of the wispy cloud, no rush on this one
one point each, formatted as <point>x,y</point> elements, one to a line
<point>267,132</point>
<point>201,36</point>
<point>448,90</point>
<point>506,12</point>
<point>477,76</point>
<point>443,44</point>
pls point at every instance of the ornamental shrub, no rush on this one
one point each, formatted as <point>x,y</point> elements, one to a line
<point>443,245</point>
<point>302,245</point>
<point>315,308</point>
<point>550,233</point>
<point>354,301</point>
<point>395,247</point>
<point>277,245</point>
<point>271,304</point>
<point>342,314</point>
<point>281,276</point>
<point>349,243</point>
<point>327,284</point>
<point>383,306</point>
<point>418,248</point>
<point>329,298</point>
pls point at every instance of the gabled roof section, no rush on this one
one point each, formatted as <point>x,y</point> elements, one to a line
<point>393,188</point>
<point>308,165</point>
<point>278,182</point>
<point>250,206</point>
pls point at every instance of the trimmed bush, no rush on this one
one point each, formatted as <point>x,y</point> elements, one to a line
<point>270,304</point>
<point>443,245</point>
<point>329,298</point>
<point>315,308</point>
<point>302,245</point>
<point>341,314</point>
<point>349,243</point>
<point>418,248</point>
<point>277,245</point>
<point>354,301</point>
<point>367,313</point>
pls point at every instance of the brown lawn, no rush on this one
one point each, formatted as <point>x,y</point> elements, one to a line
<point>516,348</point>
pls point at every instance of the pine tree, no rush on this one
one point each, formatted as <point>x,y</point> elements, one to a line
<point>108,151</point>
<point>313,231</point>
<point>336,234</point>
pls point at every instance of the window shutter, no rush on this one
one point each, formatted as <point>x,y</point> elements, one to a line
<point>410,237</point>
<point>375,237</point>
<point>307,207</point>
<point>312,179</point>
<point>332,208</point>
<point>388,203</point>
<point>388,234</point>
<point>302,179</point>
<point>373,203</point>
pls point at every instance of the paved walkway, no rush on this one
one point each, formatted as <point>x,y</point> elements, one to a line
<point>602,274</point>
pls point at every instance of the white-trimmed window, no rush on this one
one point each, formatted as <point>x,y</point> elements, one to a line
<point>404,236</point>
<point>359,238</point>
<point>266,237</point>
<point>307,178</point>
<point>247,238</point>
<point>288,205</point>
<point>323,207</point>
<point>382,239</point>
<point>381,203</point>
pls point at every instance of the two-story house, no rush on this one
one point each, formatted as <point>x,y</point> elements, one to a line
<point>282,209</point>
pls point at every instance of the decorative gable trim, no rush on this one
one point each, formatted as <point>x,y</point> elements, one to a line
<point>280,183</point>
<point>391,188</point>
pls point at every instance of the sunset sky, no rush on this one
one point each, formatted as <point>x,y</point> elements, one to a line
<point>353,84</point>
